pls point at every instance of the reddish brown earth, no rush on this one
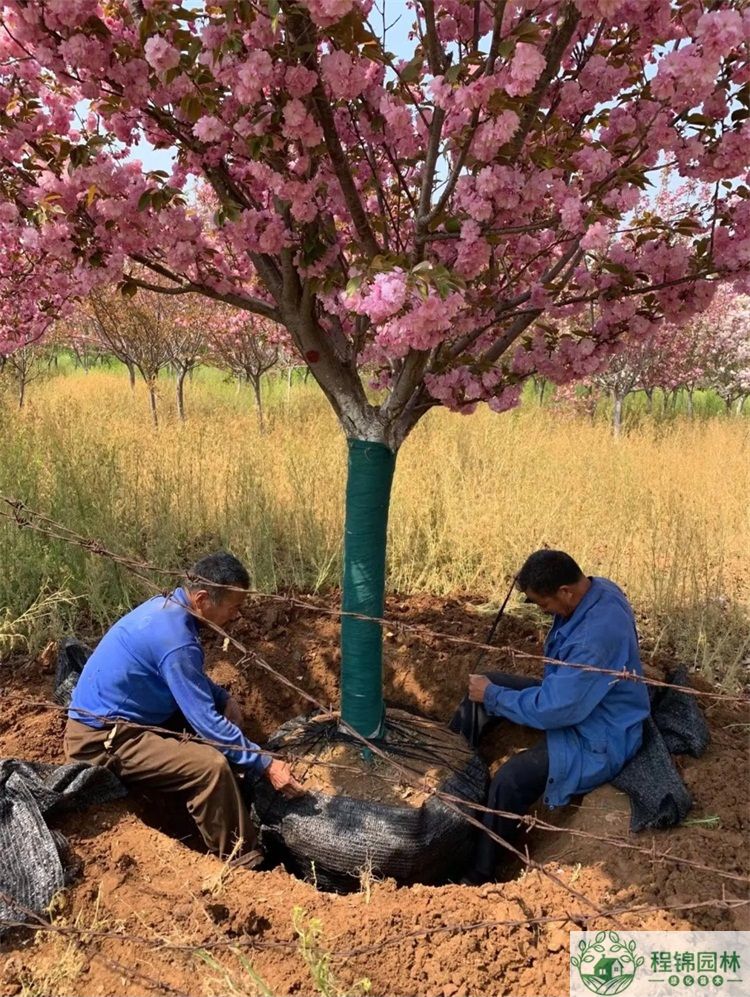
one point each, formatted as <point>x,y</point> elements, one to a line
<point>151,914</point>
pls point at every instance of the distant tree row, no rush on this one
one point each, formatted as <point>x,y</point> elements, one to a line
<point>152,333</point>
<point>709,353</point>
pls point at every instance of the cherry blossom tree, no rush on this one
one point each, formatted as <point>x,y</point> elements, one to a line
<point>80,340</point>
<point>138,332</point>
<point>726,349</point>
<point>440,219</point>
<point>186,335</point>
<point>24,365</point>
<point>248,347</point>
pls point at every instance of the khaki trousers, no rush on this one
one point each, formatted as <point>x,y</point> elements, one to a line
<point>169,764</point>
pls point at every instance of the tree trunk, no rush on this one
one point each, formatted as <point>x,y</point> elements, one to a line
<point>131,374</point>
<point>649,393</point>
<point>152,402</point>
<point>617,414</point>
<point>368,491</point>
<point>21,390</point>
<point>740,405</point>
<point>181,394</point>
<point>690,407</point>
<point>258,403</point>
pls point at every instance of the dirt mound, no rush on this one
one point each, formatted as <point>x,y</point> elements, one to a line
<point>151,914</point>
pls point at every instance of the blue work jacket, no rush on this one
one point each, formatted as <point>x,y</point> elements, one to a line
<point>151,664</point>
<point>594,722</point>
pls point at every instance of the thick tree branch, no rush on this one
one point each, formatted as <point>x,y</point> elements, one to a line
<point>519,325</point>
<point>434,52</point>
<point>301,29</point>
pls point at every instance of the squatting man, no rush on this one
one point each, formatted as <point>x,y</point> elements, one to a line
<point>592,725</point>
<point>148,671</point>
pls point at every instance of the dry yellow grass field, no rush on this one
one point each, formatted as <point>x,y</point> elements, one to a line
<point>664,510</point>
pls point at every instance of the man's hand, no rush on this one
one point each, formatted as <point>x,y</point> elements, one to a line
<point>477,685</point>
<point>279,774</point>
<point>233,713</point>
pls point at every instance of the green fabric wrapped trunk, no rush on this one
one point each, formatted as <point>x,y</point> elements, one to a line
<point>368,494</point>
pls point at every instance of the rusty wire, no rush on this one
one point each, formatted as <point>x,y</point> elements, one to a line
<point>532,821</point>
<point>579,921</point>
<point>26,518</point>
<point>23,518</point>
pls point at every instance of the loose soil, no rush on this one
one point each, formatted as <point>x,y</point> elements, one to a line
<point>150,914</point>
<point>337,768</point>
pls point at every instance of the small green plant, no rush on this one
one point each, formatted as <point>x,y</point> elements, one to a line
<point>310,934</point>
<point>712,821</point>
<point>231,985</point>
<point>367,879</point>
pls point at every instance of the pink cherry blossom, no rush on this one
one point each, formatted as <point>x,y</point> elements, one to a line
<point>525,69</point>
<point>160,54</point>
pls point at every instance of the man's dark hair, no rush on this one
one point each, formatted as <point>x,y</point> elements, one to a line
<point>545,571</point>
<point>220,569</point>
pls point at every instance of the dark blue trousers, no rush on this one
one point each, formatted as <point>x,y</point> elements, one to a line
<point>517,784</point>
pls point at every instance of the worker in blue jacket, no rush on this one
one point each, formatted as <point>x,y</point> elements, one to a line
<point>592,721</point>
<point>148,672</point>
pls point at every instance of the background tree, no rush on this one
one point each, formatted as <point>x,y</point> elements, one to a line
<point>726,357</point>
<point>78,337</point>
<point>441,219</point>
<point>248,348</point>
<point>186,332</point>
<point>26,364</point>
<point>137,330</point>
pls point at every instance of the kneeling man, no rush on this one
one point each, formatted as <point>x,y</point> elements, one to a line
<point>148,671</point>
<point>593,721</point>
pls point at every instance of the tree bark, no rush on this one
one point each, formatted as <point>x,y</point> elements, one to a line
<point>690,407</point>
<point>131,374</point>
<point>21,390</point>
<point>258,403</point>
<point>152,402</point>
<point>617,413</point>
<point>181,394</point>
<point>649,393</point>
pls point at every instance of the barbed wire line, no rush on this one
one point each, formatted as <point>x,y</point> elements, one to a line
<point>24,518</point>
<point>137,976</point>
<point>446,799</point>
<point>532,821</point>
<point>374,749</point>
<point>580,921</point>
<point>575,919</point>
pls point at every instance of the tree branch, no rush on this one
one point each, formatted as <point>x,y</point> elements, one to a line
<point>302,31</point>
<point>553,52</point>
